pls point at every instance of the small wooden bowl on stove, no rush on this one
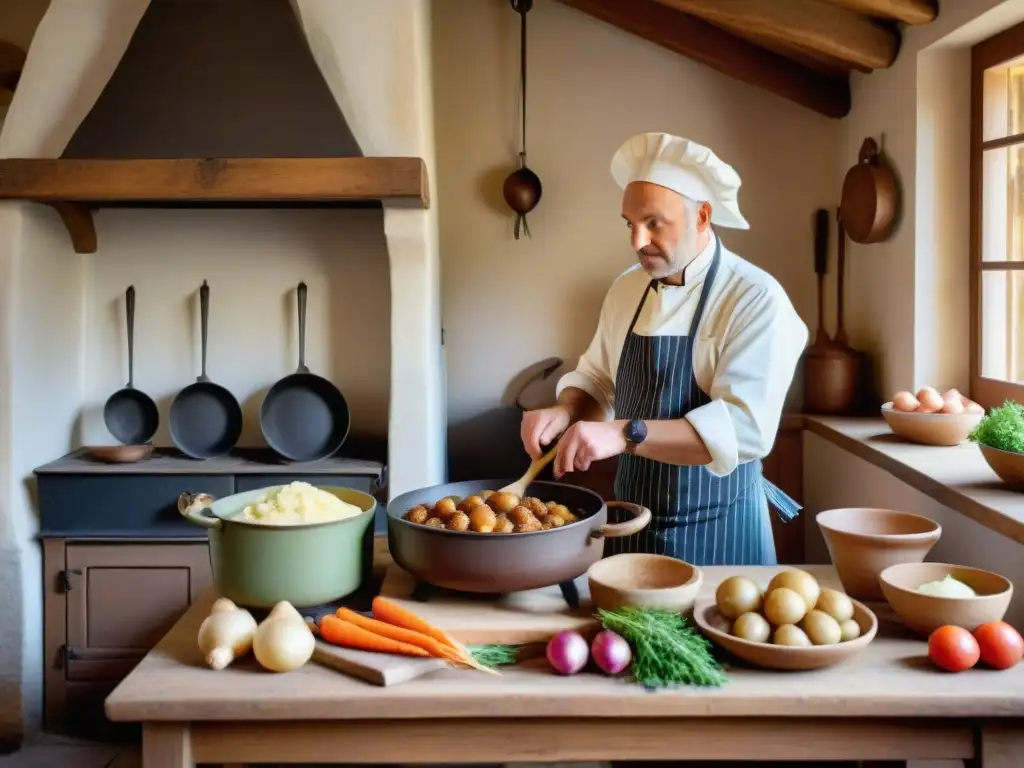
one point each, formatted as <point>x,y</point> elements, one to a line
<point>121,454</point>
<point>642,580</point>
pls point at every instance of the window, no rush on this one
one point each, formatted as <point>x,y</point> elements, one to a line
<point>997,218</point>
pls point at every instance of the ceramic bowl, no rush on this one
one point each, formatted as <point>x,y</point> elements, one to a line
<point>121,454</point>
<point>931,428</point>
<point>782,657</point>
<point>925,613</point>
<point>648,581</point>
<point>1008,466</point>
<point>864,541</point>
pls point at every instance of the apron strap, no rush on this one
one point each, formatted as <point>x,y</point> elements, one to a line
<point>785,505</point>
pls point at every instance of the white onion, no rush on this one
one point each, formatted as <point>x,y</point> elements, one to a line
<point>567,652</point>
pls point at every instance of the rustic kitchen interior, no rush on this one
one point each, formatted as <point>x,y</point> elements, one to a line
<point>339,165</point>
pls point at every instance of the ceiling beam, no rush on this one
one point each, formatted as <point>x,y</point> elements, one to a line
<point>907,11</point>
<point>809,24</point>
<point>723,52</point>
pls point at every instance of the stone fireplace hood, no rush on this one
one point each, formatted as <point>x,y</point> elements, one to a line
<point>68,143</point>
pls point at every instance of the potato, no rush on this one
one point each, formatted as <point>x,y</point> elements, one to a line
<point>467,504</point>
<point>849,629</point>
<point>784,606</point>
<point>538,507</point>
<point>482,519</point>
<point>417,514</point>
<point>521,515</point>
<point>434,522</point>
<point>821,628</point>
<point>737,595</point>
<point>835,604</point>
<point>458,522</point>
<point>503,525</point>
<point>563,512</point>
<point>551,521</point>
<point>445,508</point>
<point>787,634</point>
<point>502,501</point>
<point>753,627</point>
<point>528,527</point>
<point>800,582</point>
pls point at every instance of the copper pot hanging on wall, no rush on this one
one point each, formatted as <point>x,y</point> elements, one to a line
<point>522,188</point>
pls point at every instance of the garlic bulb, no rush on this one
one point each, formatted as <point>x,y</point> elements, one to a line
<point>226,634</point>
<point>283,641</point>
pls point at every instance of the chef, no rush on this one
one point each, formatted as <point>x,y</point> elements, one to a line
<point>686,376</point>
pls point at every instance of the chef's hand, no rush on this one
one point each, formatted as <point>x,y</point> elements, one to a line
<point>541,427</point>
<point>588,441</point>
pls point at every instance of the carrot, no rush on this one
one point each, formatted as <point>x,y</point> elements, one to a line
<point>429,644</point>
<point>339,632</point>
<point>396,615</point>
<point>391,613</point>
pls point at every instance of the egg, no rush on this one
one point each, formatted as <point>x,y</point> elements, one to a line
<point>930,401</point>
<point>904,401</point>
<point>952,406</point>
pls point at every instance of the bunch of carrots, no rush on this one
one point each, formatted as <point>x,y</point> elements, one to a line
<point>394,629</point>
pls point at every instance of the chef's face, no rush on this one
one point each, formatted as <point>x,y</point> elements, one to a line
<point>667,231</point>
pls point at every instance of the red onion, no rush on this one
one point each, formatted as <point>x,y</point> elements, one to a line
<point>567,652</point>
<point>611,652</point>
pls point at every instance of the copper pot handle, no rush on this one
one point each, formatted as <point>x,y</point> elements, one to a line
<point>641,518</point>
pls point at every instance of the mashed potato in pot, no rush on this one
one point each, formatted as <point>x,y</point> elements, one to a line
<point>298,503</point>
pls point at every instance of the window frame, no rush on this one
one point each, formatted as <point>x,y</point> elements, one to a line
<point>998,49</point>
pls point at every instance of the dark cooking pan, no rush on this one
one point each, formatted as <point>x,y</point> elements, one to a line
<point>506,562</point>
<point>304,417</point>
<point>206,419</point>
<point>130,415</point>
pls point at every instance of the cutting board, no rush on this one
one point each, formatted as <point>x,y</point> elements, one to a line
<point>522,617</point>
<point>377,668</point>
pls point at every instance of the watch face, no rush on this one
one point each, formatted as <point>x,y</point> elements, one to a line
<point>636,431</point>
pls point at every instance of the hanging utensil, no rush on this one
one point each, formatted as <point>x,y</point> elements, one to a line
<point>869,197</point>
<point>522,188</point>
<point>206,419</point>
<point>130,415</point>
<point>831,369</point>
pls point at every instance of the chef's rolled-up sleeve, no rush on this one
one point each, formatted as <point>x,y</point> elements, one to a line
<point>752,378</point>
<point>593,373</point>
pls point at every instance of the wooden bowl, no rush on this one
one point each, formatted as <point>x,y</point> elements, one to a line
<point>121,454</point>
<point>925,613</point>
<point>864,541</point>
<point>648,581</point>
<point>768,656</point>
<point>1008,466</point>
<point>944,429</point>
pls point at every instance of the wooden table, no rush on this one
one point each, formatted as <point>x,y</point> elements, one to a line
<point>887,703</point>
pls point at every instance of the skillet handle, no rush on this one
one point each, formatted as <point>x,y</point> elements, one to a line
<point>192,507</point>
<point>641,518</point>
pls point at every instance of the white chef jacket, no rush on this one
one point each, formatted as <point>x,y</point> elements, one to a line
<point>748,344</point>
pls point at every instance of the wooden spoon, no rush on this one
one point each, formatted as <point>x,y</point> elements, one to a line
<point>520,485</point>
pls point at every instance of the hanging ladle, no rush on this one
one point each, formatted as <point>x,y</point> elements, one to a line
<point>522,188</point>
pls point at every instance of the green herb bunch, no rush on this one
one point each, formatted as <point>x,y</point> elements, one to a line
<point>495,654</point>
<point>667,651</point>
<point>1002,428</point>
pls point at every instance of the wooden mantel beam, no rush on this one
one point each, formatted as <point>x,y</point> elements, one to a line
<point>810,24</point>
<point>724,52</point>
<point>907,11</point>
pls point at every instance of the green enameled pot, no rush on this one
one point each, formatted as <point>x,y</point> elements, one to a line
<point>257,566</point>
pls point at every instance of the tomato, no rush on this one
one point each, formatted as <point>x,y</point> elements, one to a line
<point>1001,645</point>
<point>954,649</point>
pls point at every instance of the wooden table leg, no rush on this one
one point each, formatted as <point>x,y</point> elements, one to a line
<point>166,745</point>
<point>1002,744</point>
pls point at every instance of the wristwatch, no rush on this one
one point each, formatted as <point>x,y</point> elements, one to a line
<point>635,431</point>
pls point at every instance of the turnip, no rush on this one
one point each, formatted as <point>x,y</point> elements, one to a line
<point>567,652</point>
<point>611,652</point>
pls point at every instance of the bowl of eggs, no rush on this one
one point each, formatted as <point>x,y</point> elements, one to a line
<point>931,418</point>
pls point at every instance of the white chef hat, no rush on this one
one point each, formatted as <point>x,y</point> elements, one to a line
<point>684,166</point>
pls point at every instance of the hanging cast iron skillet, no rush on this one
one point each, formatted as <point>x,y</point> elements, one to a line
<point>206,419</point>
<point>131,416</point>
<point>304,417</point>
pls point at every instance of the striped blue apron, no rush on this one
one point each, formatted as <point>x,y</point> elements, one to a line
<point>697,517</point>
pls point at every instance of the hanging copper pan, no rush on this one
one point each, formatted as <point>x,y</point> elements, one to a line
<point>870,196</point>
